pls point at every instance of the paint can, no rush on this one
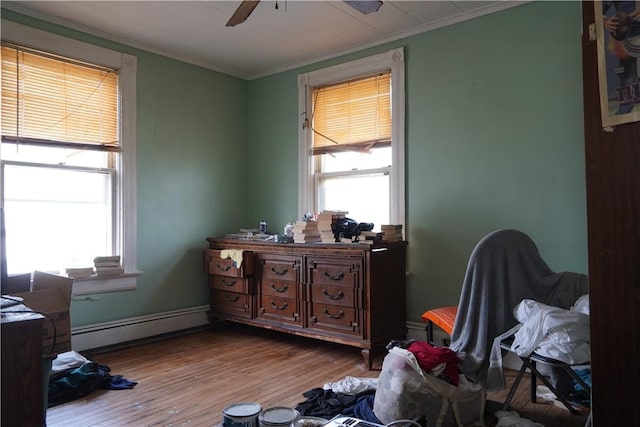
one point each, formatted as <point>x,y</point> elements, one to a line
<point>241,415</point>
<point>278,416</point>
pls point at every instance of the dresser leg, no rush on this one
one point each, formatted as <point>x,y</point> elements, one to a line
<point>366,355</point>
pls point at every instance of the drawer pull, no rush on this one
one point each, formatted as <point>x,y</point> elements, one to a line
<point>339,295</point>
<point>282,289</point>
<point>231,283</point>
<point>340,276</point>
<point>280,272</point>
<point>223,267</point>
<point>279,307</point>
<point>231,298</point>
<point>338,315</point>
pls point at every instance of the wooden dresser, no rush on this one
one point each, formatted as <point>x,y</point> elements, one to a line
<point>352,294</point>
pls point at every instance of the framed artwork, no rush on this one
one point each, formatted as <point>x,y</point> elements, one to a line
<point>618,39</point>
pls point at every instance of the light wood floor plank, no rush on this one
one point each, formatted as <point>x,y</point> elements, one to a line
<point>188,380</point>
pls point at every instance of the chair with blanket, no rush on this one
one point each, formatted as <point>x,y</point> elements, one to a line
<point>503,269</point>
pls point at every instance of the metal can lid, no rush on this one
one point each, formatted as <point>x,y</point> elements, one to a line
<point>278,415</point>
<point>242,409</point>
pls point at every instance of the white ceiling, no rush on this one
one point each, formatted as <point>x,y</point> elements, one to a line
<point>270,41</point>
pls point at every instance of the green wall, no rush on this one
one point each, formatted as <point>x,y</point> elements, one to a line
<point>494,139</point>
<point>191,169</point>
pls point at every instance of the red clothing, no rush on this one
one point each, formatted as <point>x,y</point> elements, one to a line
<point>429,357</point>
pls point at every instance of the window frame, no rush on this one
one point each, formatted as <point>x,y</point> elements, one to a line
<point>126,199</point>
<point>391,60</point>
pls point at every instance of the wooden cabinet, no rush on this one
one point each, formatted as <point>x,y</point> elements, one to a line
<point>22,368</point>
<point>351,294</point>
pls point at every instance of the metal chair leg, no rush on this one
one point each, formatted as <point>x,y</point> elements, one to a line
<point>514,387</point>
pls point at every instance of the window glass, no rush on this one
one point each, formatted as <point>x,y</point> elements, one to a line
<point>365,197</point>
<point>372,159</point>
<point>55,217</point>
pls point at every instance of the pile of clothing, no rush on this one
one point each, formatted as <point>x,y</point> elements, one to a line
<point>73,376</point>
<point>418,381</point>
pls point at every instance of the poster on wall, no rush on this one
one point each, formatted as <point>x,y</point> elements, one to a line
<point>618,39</point>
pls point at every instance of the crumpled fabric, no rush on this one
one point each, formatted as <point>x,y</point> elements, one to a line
<point>234,254</point>
<point>352,385</point>
<point>430,357</point>
<point>65,361</point>
<point>324,403</point>
<point>513,419</point>
<point>83,380</point>
<point>551,332</point>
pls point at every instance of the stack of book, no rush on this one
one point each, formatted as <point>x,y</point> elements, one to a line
<point>326,221</point>
<point>391,232</point>
<point>79,273</point>
<point>370,237</point>
<point>306,232</point>
<point>108,265</point>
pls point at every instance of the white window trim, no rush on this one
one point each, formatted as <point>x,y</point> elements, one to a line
<point>127,66</point>
<point>393,60</point>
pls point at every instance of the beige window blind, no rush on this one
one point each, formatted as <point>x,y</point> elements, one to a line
<point>353,115</point>
<point>48,100</point>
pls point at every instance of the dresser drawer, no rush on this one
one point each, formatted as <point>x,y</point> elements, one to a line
<point>334,271</point>
<point>336,318</point>
<point>334,295</point>
<point>230,284</point>
<point>231,303</point>
<point>279,309</point>
<point>279,267</point>
<point>279,288</point>
<point>215,264</point>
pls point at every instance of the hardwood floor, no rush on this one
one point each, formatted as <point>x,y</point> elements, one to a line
<point>188,380</point>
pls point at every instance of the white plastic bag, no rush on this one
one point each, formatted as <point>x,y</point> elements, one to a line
<point>405,391</point>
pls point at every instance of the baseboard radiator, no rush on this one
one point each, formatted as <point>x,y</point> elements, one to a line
<point>137,328</point>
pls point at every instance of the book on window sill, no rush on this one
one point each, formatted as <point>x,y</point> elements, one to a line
<point>106,264</point>
<point>110,272</point>
<point>108,258</point>
<point>79,273</point>
<point>109,268</point>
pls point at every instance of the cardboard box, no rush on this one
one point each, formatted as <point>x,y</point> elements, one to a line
<point>50,295</point>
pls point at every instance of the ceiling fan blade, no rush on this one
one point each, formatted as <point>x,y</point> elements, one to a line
<point>242,12</point>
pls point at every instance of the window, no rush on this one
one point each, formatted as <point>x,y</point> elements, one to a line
<point>351,138</point>
<point>68,155</point>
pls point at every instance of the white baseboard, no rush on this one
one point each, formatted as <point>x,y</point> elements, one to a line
<point>135,328</point>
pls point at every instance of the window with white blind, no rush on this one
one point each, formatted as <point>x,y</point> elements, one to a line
<point>351,138</point>
<point>68,156</point>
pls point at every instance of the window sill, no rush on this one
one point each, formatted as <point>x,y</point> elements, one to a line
<point>99,285</point>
